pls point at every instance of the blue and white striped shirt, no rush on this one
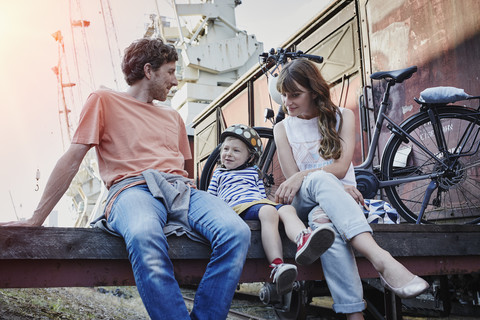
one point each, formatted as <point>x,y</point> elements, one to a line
<point>237,186</point>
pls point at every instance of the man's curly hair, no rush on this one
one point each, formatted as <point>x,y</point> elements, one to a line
<point>144,51</point>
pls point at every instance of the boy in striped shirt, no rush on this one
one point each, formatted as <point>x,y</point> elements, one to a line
<point>238,183</point>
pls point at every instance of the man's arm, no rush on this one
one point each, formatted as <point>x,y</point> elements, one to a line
<point>58,183</point>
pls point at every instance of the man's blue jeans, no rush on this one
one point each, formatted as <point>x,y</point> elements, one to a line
<point>139,218</point>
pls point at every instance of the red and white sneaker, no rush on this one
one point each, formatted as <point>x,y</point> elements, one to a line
<point>312,244</point>
<point>284,275</point>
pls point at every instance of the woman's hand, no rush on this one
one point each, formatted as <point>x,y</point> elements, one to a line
<point>356,195</point>
<point>289,188</point>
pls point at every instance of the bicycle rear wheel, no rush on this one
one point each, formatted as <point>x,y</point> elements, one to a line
<point>456,199</point>
<point>268,164</point>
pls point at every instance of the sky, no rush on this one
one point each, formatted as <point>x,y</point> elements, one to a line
<point>31,135</point>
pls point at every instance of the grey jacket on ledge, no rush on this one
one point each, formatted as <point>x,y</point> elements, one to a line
<point>172,190</point>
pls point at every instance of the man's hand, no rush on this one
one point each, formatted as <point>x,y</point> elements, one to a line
<point>22,223</point>
<point>58,182</point>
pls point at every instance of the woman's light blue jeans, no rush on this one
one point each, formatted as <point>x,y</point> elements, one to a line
<point>139,218</point>
<point>323,190</point>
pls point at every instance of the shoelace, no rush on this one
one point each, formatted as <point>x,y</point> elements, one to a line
<point>299,238</point>
<point>274,269</point>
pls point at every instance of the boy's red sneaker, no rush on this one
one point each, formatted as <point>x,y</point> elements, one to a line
<point>312,244</point>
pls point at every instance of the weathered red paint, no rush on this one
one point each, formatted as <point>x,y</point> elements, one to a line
<point>88,273</point>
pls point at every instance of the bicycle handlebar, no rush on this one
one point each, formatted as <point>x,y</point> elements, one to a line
<point>281,55</point>
<point>273,60</point>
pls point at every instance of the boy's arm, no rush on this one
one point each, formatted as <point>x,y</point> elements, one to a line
<point>58,183</point>
<point>261,187</point>
<point>213,185</point>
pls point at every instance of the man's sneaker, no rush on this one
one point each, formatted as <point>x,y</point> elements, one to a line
<point>311,245</point>
<point>284,275</point>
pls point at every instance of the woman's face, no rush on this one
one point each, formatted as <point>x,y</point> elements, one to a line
<point>300,103</point>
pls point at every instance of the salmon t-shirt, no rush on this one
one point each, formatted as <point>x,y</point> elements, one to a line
<point>132,136</point>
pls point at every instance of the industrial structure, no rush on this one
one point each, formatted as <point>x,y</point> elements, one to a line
<point>213,54</point>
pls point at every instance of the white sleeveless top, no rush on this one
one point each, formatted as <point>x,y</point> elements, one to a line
<point>304,139</point>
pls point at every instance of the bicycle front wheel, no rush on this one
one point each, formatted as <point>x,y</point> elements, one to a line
<point>455,173</point>
<point>268,164</point>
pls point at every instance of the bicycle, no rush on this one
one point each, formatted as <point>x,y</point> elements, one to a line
<point>430,166</point>
<point>268,162</point>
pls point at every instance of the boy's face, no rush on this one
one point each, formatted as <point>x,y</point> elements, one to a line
<point>234,153</point>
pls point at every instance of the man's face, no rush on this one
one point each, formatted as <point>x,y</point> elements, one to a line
<point>162,81</point>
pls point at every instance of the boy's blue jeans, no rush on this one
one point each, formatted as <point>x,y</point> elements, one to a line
<point>139,218</point>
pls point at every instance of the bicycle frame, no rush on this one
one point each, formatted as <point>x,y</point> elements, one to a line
<point>397,129</point>
<point>443,158</point>
<point>445,161</point>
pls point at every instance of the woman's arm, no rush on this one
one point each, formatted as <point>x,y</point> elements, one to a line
<point>284,151</point>
<point>289,188</point>
<point>338,167</point>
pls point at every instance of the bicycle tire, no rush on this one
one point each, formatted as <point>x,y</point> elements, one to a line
<point>268,164</point>
<point>456,200</point>
<point>208,168</point>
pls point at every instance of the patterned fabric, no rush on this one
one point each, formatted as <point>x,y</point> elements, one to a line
<point>237,186</point>
<point>379,211</point>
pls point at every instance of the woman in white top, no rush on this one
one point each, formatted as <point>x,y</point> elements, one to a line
<point>315,146</point>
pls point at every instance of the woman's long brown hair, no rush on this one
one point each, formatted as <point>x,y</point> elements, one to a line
<point>306,74</point>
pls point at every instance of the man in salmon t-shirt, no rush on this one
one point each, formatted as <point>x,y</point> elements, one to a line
<point>141,149</point>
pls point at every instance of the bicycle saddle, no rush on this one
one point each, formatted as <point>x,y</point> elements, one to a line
<point>396,75</point>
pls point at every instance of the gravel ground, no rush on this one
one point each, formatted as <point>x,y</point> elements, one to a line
<point>71,303</point>
<point>123,303</point>
<point>109,303</point>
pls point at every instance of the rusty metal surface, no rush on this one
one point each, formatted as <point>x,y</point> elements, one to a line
<point>441,37</point>
<point>52,257</point>
<point>392,35</point>
<point>32,273</point>
<point>88,273</point>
